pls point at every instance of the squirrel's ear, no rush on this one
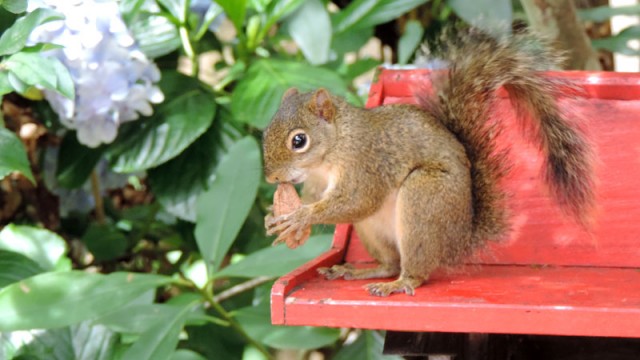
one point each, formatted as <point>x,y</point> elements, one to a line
<point>288,93</point>
<point>322,105</point>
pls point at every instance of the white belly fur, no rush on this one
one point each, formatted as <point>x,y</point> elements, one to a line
<point>320,180</point>
<point>381,225</point>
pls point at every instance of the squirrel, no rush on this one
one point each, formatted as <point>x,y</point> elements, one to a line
<point>421,184</point>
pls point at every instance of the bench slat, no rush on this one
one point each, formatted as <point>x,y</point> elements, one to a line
<point>488,299</point>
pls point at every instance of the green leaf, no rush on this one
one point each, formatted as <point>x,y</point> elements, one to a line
<point>257,96</point>
<point>78,342</point>
<point>215,341</point>
<point>259,5</point>
<point>105,242</point>
<point>59,299</point>
<point>40,47</point>
<point>17,84</point>
<point>13,156</point>
<point>155,35</point>
<point>301,337</point>
<point>176,8</point>
<point>348,42</point>
<point>360,67</point>
<point>48,72</point>
<point>135,318</point>
<point>176,124</point>
<point>32,68</point>
<point>256,320</point>
<point>604,13</point>
<point>277,260</point>
<point>235,10</point>
<point>620,42</point>
<point>184,354</point>
<point>15,37</point>
<point>222,209</point>
<point>64,81</point>
<point>16,267</point>
<point>360,14</point>
<point>368,346</point>
<point>178,182</point>
<point>310,27</point>
<point>160,340</point>
<point>44,247</point>
<point>278,9</point>
<point>75,161</point>
<point>5,85</point>
<point>14,6</point>
<point>130,9</point>
<point>212,13</point>
<point>409,41</point>
<point>489,15</point>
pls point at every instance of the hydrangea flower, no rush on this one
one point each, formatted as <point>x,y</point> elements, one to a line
<point>114,80</point>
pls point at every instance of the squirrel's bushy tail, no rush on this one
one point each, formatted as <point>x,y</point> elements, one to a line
<point>478,66</point>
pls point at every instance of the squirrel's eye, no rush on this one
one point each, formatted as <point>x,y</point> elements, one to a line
<point>298,141</point>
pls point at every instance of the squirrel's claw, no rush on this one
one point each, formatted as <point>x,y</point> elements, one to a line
<point>271,221</point>
<point>278,225</point>
<point>285,226</point>
<point>386,289</point>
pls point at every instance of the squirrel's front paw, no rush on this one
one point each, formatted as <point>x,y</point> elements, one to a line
<point>293,228</point>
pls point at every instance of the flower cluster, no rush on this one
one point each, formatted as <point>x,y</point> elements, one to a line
<point>114,80</point>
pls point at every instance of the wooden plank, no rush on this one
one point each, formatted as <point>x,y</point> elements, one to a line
<point>595,84</point>
<point>288,283</point>
<point>491,298</point>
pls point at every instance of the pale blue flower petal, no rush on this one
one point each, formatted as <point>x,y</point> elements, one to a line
<point>114,80</point>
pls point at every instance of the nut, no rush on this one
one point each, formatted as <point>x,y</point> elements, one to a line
<point>286,201</point>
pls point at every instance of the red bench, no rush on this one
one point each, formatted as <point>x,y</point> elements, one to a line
<point>549,278</point>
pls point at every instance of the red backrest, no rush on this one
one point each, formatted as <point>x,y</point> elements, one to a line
<point>542,234</point>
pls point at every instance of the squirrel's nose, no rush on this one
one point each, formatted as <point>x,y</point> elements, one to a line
<point>272,178</point>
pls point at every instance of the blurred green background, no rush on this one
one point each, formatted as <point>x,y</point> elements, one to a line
<point>131,192</point>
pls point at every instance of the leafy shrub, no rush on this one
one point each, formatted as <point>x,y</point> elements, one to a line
<point>158,249</point>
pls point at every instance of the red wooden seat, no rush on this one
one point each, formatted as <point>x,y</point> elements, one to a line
<point>550,277</point>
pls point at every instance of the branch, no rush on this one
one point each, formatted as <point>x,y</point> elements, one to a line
<point>235,290</point>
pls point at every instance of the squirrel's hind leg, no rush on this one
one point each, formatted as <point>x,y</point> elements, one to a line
<point>433,217</point>
<point>378,237</point>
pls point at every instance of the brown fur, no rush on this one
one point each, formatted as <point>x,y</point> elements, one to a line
<point>422,185</point>
<point>512,62</point>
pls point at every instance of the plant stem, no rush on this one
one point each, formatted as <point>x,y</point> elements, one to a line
<point>208,295</point>
<point>188,50</point>
<point>215,320</point>
<point>235,290</point>
<point>97,197</point>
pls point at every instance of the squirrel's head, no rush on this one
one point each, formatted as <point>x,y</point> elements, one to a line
<point>300,134</point>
